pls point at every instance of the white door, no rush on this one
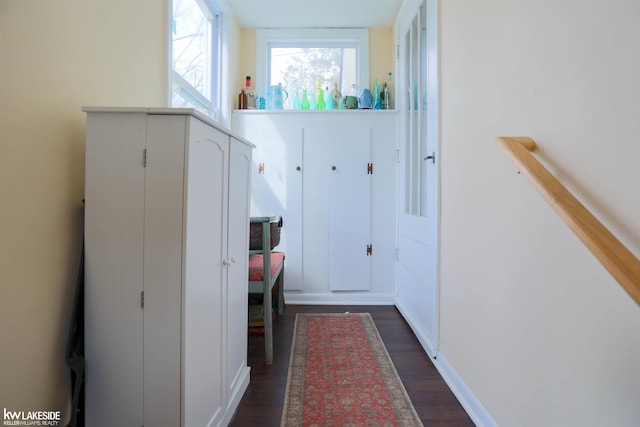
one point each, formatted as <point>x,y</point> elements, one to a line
<point>276,186</point>
<point>350,208</point>
<point>417,283</point>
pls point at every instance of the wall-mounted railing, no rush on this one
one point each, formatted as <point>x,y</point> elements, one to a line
<point>614,256</point>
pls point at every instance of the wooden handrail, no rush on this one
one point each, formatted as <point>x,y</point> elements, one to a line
<point>614,256</point>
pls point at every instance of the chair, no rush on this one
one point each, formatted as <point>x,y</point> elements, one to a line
<point>266,270</point>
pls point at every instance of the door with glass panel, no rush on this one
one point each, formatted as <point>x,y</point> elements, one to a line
<point>417,284</point>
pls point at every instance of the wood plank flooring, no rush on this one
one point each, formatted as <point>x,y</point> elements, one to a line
<point>261,406</point>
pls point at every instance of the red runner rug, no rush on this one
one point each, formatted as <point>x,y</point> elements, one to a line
<point>340,374</point>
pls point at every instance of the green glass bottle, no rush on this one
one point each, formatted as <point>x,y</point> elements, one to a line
<point>319,96</point>
<point>304,102</point>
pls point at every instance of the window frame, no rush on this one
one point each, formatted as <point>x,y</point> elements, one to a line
<point>323,37</point>
<point>218,107</point>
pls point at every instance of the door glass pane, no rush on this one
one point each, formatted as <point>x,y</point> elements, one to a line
<point>425,163</point>
<point>416,160</point>
<point>407,111</point>
<point>417,156</point>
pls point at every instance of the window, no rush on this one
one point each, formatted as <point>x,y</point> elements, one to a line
<point>297,58</point>
<point>196,56</point>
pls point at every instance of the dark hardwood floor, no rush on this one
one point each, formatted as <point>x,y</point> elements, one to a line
<point>262,403</point>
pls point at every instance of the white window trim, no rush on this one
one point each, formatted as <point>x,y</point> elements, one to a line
<point>225,62</point>
<point>223,114</point>
<point>266,36</point>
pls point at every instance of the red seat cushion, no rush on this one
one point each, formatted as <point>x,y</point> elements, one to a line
<point>256,267</point>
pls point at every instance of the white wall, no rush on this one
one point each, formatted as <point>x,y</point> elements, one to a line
<point>56,56</point>
<point>531,322</point>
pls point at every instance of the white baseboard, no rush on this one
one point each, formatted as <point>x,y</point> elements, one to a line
<point>427,343</point>
<point>463,393</point>
<point>338,298</point>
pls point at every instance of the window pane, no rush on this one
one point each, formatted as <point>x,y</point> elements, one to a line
<point>299,68</point>
<point>192,45</point>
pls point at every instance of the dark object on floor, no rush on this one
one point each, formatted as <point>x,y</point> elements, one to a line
<point>74,354</point>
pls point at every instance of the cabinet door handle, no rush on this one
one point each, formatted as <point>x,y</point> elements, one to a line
<point>298,168</point>
<point>432,157</point>
<point>333,167</point>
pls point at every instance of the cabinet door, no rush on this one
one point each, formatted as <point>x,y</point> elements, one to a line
<point>350,209</point>
<point>163,268</point>
<point>236,286</point>
<point>205,275</point>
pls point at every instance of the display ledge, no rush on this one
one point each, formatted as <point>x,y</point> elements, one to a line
<point>358,111</point>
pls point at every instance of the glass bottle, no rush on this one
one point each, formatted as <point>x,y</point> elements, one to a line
<point>242,100</point>
<point>328,102</point>
<point>319,96</point>
<point>296,101</point>
<point>377,104</point>
<point>337,96</point>
<point>304,103</point>
<point>312,101</point>
<point>250,93</point>
<point>386,95</point>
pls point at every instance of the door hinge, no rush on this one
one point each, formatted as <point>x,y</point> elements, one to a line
<point>397,155</point>
<point>142,299</point>
<point>397,51</point>
<point>144,158</point>
<point>397,255</point>
<point>369,168</point>
<point>261,168</point>
<point>369,250</point>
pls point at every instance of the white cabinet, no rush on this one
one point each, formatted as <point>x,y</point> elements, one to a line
<point>166,232</point>
<point>331,175</point>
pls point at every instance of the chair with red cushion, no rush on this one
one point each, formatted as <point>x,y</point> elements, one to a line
<point>266,270</point>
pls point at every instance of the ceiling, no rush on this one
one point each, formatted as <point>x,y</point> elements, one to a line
<point>315,13</point>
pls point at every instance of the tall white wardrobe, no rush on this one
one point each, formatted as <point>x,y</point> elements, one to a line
<point>166,238</point>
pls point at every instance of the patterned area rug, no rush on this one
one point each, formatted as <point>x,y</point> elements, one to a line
<point>340,374</point>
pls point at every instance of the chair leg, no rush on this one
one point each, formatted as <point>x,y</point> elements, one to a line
<point>268,325</point>
<point>280,282</point>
